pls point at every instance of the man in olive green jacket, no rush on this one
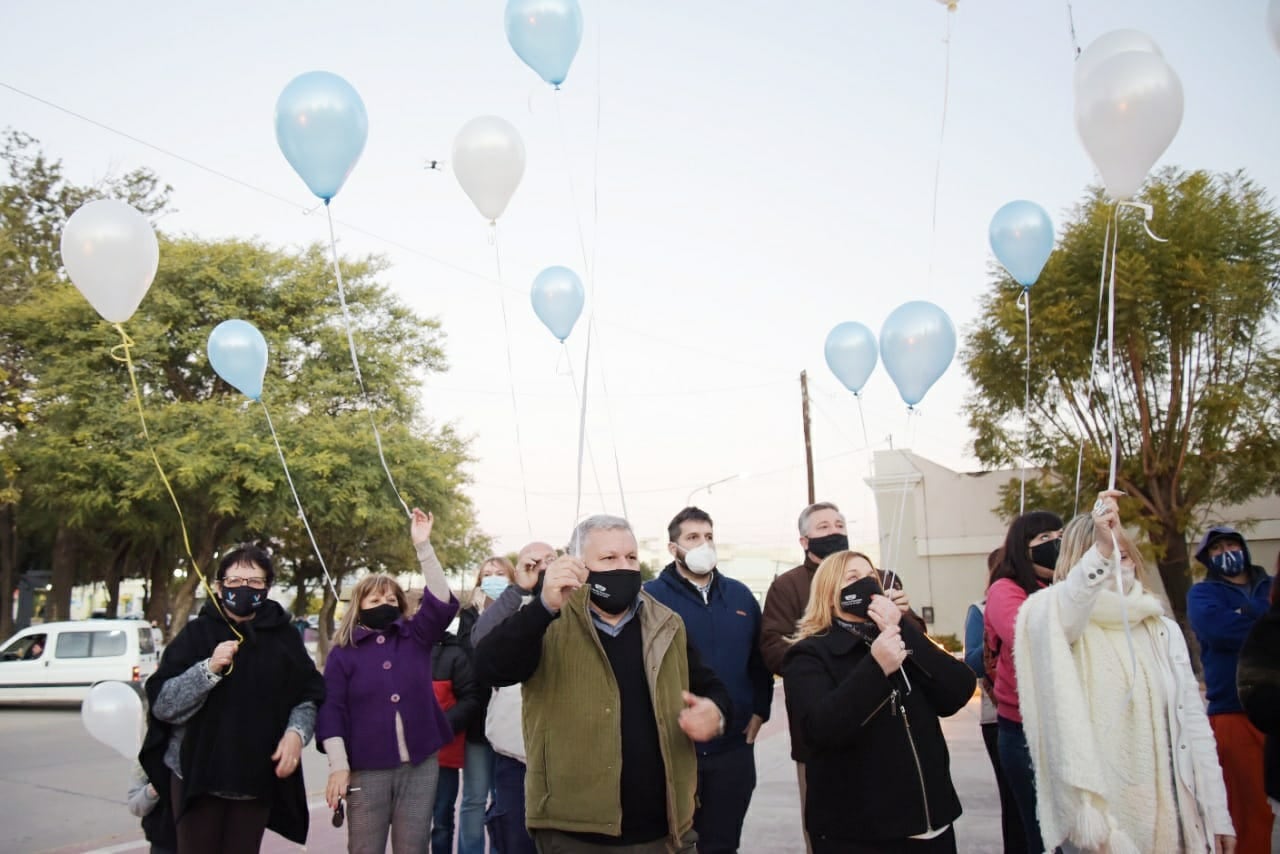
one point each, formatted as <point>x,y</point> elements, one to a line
<point>614,698</point>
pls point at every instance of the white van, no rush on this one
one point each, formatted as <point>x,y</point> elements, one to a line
<point>60,662</point>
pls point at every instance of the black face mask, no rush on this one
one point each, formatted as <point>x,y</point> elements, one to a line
<point>379,617</point>
<point>822,547</point>
<point>614,591</point>
<point>855,598</point>
<point>243,601</point>
<point>1046,554</point>
<point>537,587</point>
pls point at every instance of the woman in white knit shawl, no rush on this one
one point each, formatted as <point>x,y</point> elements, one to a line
<point>1124,758</point>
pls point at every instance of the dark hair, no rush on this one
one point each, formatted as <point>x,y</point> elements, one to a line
<point>993,563</point>
<point>688,514</point>
<point>249,554</point>
<point>1015,563</point>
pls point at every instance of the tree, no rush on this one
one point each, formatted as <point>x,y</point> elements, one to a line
<point>85,488</point>
<point>1197,383</point>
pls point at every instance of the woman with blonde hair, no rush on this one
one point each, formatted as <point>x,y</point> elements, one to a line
<point>381,725</point>
<point>865,691</point>
<point>1124,758</point>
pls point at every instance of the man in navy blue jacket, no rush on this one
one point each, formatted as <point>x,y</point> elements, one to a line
<point>1222,609</point>
<point>722,619</point>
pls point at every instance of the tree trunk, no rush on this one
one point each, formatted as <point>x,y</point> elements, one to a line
<point>111,581</point>
<point>300,598</point>
<point>58,605</point>
<point>1175,572</point>
<point>324,639</point>
<point>8,566</point>
<point>184,600</point>
<point>158,574</point>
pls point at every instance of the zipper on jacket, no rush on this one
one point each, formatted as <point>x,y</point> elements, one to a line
<point>889,699</point>
<point>924,795</point>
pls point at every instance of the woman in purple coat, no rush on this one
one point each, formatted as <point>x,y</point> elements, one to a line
<point>380,724</point>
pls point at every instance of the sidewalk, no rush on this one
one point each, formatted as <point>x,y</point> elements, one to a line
<point>773,825</point>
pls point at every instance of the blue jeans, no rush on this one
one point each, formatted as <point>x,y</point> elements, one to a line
<point>477,780</point>
<point>442,815</point>
<point>1015,761</point>
<point>506,821</point>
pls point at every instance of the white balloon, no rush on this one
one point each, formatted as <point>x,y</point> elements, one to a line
<point>111,254</point>
<point>112,713</point>
<point>1128,110</point>
<point>1273,22</point>
<point>488,160</point>
<point>1108,45</point>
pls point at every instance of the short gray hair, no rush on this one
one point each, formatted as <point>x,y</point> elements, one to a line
<point>814,508</point>
<point>591,524</point>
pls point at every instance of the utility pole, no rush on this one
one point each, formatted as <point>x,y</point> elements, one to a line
<point>808,442</point>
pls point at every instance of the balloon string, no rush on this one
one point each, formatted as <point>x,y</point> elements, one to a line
<point>1093,357</point>
<point>1111,364</point>
<point>511,379</point>
<point>302,514</point>
<point>124,356</point>
<point>355,361</point>
<point>942,133</point>
<point>1071,22</point>
<point>902,505</point>
<point>1026,405</point>
<point>862,419</point>
<point>582,425</point>
<point>591,457</point>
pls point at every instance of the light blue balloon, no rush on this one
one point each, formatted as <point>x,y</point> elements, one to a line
<point>851,354</point>
<point>1022,238</point>
<point>321,126</point>
<point>917,343</point>
<point>545,34</point>
<point>238,353</point>
<point>557,297</point>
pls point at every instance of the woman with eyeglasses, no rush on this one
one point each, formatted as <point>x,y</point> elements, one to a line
<point>1124,757</point>
<point>381,725</point>
<point>865,690</point>
<point>1028,559</point>
<point>229,717</point>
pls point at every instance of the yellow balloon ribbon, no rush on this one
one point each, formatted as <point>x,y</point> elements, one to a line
<point>120,353</point>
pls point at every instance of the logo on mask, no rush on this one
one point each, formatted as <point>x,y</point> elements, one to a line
<point>855,597</point>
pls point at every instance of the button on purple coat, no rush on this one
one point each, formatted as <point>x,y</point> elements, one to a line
<point>380,674</point>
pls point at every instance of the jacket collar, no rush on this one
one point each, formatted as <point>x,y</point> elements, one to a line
<point>672,577</point>
<point>360,633</point>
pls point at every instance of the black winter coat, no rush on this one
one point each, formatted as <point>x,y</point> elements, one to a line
<point>466,622</point>
<point>1258,683</point>
<point>228,744</point>
<point>451,662</point>
<point>876,763</point>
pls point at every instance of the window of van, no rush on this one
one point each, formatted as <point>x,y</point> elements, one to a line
<point>90,644</point>
<point>146,641</point>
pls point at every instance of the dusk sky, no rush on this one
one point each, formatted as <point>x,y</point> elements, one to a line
<point>761,171</point>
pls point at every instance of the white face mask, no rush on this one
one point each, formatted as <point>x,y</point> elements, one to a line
<point>702,560</point>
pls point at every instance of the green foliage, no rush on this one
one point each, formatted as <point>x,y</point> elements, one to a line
<point>951,643</point>
<point>1197,378</point>
<point>70,431</point>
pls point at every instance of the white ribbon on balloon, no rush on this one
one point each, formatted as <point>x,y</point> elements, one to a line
<point>302,514</point>
<point>355,360</point>
<point>511,375</point>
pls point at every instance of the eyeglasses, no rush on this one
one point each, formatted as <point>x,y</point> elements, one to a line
<point>232,582</point>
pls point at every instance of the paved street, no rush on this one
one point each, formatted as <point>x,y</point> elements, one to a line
<point>63,792</point>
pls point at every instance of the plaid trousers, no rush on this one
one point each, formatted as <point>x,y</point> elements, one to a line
<point>398,799</point>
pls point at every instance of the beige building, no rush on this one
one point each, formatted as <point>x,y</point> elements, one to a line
<point>937,527</point>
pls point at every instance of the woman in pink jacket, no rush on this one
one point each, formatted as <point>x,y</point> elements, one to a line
<point>1030,556</point>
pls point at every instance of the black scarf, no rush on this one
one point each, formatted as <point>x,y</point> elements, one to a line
<point>228,744</point>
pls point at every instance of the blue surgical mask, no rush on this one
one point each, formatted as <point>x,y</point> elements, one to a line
<point>1229,563</point>
<point>493,585</point>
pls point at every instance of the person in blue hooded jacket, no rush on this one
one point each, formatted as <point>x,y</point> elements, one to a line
<point>722,619</point>
<point>1222,609</point>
